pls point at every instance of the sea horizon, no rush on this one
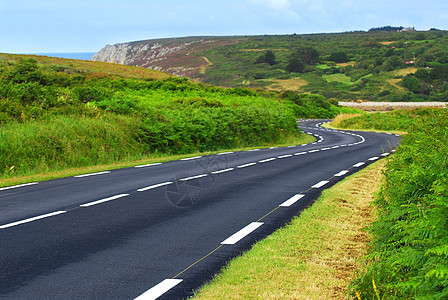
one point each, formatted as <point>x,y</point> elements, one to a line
<point>72,55</point>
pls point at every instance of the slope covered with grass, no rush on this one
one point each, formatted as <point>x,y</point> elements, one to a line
<point>57,114</point>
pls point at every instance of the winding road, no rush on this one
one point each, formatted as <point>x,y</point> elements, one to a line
<point>160,231</point>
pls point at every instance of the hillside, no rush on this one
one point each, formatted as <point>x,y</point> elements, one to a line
<point>57,114</point>
<point>375,65</point>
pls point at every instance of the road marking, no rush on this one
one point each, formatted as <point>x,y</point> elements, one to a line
<point>324,149</point>
<point>223,171</point>
<point>342,173</point>
<point>373,158</point>
<point>285,156</point>
<point>223,153</point>
<point>359,164</point>
<point>268,159</point>
<point>104,200</point>
<point>159,289</point>
<point>148,165</point>
<point>246,165</point>
<point>292,200</point>
<point>320,184</point>
<point>273,147</point>
<point>154,186</point>
<point>190,158</point>
<point>17,186</point>
<point>291,146</point>
<point>300,153</point>
<point>233,239</point>
<point>92,174</point>
<point>312,151</point>
<point>385,154</point>
<point>253,150</point>
<point>334,147</point>
<point>343,145</point>
<point>32,219</point>
<point>193,177</point>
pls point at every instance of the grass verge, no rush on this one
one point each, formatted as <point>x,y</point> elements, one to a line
<point>300,139</point>
<point>335,124</point>
<point>313,257</point>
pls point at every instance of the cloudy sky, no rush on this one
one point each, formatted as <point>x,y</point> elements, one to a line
<point>45,26</point>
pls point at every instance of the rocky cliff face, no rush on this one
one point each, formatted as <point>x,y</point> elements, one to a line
<point>177,56</point>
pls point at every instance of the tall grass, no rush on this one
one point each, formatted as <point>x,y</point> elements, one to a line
<point>409,255</point>
<point>66,141</point>
<point>395,120</point>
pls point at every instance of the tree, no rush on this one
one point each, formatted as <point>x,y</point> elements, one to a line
<point>295,65</point>
<point>339,57</point>
<point>268,58</point>
<point>307,55</point>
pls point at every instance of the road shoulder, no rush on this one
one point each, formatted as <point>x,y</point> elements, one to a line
<point>315,256</point>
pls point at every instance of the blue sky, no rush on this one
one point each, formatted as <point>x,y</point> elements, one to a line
<point>39,26</point>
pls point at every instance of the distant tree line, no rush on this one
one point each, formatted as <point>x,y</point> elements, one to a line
<point>386,28</point>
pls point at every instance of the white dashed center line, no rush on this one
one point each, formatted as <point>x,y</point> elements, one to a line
<point>246,165</point>
<point>104,200</point>
<point>92,174</point>
<point>223,171</point>
<point>32,219</point>
<point>154,186</point>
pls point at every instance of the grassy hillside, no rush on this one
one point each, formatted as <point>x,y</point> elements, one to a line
<point>348,66</point>
<point>57,114</point>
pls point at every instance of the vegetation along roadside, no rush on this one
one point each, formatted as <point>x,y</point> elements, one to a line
<point>58,115</point>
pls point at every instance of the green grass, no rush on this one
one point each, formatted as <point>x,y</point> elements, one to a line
<point>341,78</point>
<point>33,175</point>
<point>313,257</point>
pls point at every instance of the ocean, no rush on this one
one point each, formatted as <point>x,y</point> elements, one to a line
<point>74,55</point>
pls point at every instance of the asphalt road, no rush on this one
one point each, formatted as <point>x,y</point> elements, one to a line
<point>164,229</point>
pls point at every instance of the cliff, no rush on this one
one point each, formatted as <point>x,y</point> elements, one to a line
<point>179,56</point>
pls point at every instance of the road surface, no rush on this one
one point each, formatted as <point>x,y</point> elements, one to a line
<point>163,230</point>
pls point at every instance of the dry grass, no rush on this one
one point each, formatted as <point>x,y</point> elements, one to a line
<point>393,82</point>
<point>315,257</point>
<point>350,63</point>
<point>404,72</point>
<point>341,117</point>
<point>387,43</point>
<point>292,84</point>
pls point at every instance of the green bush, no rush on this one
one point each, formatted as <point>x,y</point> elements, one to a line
<point>409,254</point>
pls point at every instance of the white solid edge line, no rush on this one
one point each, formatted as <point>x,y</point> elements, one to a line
<point>342,173</point>
<point>246,165</point>
<point>193,177</point>
<point>190,158</point>
<point>223,153</point>
<point>267,159</point>
<point>223,171</point>
<point>104,200</point>
<point>320,184</point>
<point>33,219</point>
<point>234,238</point>
<point>148,165</point>
<point>292,200</point>
<point>359,164</point>
<point>92,174</point>
<point>159,289</point>
<point>17,186</point>
<point>154,186</point>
